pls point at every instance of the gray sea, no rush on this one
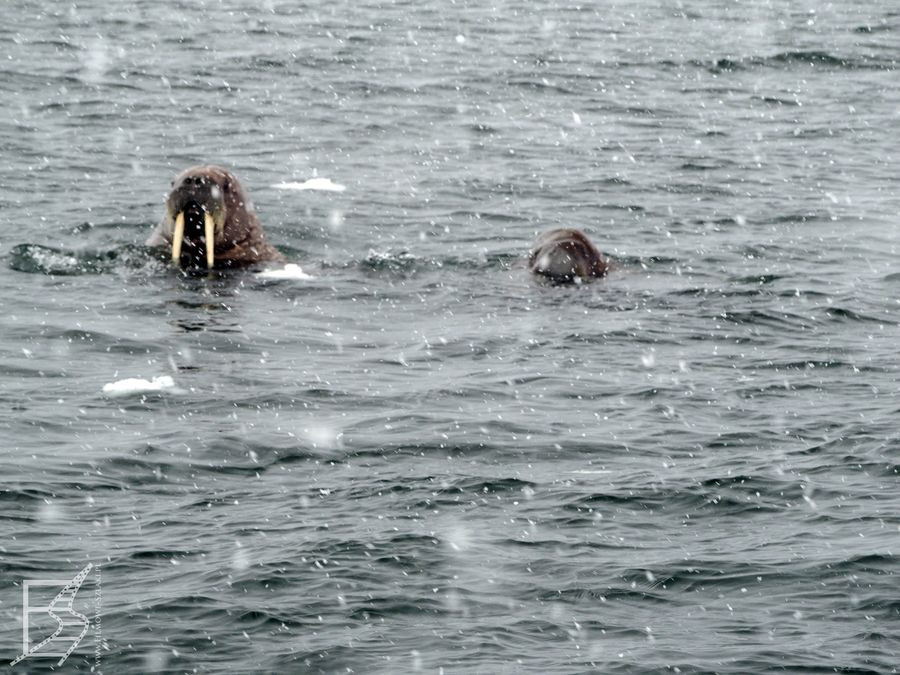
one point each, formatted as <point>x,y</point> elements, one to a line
<point>421,459</point>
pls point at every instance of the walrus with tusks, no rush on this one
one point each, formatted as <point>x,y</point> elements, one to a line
<point>209,222</point>
<point>566,255</point>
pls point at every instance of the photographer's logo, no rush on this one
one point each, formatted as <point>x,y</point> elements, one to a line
<point>61,639</point>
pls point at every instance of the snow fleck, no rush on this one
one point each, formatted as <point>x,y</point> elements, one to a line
<point>239,561</point>
<point>95,61</point>
<point>49,512</point>
<point>155,662</point>
<point>323,437</point>
<point>458,539</point>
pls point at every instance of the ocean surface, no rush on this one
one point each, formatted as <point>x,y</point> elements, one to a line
<point>421,459</point>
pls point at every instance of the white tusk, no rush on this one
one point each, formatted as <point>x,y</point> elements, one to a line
<point>177,238</point>
<point>209,227</point>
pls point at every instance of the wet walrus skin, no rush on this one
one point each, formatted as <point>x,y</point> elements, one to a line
<point>566,255</point>
<point>208,202</point>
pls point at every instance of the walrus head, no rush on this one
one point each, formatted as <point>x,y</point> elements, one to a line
<point>566,255</point>
<point>210,221</point>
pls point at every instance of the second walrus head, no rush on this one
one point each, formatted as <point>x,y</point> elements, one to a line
<point>566,255</point>
<point>209,222</point>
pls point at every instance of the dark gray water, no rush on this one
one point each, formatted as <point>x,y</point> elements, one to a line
<point>422,460</point>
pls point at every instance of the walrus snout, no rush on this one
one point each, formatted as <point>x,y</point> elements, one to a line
<point>187,233</point>
<point>194,227</point>
<point>566,255</point>
<point>197,209</point>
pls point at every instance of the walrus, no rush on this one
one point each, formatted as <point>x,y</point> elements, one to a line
<point>207,204</point>
<point>566,255</point>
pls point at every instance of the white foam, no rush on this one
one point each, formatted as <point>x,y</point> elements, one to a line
<point>289,271</point>
<point>320,184</point>
<point>137,385</point>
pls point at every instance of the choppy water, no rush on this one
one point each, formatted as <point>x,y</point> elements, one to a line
<point>422,460</point>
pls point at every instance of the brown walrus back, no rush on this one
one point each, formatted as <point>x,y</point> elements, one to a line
<point>566,255</point>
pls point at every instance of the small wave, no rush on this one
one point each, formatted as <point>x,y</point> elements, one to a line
<point>804,58</point>
<point>34,258</point>
<point>385,607</point>
<point>728,65</point>
<point>393,261</point>
<point>759,279</point>
<point>266,63</point>
<point>719,496</point>
<point>161,554</point>
<point>810,58</point>
<point>803,365</point>
<point>542,84</point>
<point>695,189</point>
<point>482,129</point>
<point>404,262</point>
<point>843,314</point>
<point>38,259</point>
<point>701,165</point>
<point>868,28</point>
<point>493,486</point>
<point>774,100</point>
<point>767,318</point>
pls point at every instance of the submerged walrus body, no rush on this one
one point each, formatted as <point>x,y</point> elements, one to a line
<point>565,256</point>
<point>208,204</point>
